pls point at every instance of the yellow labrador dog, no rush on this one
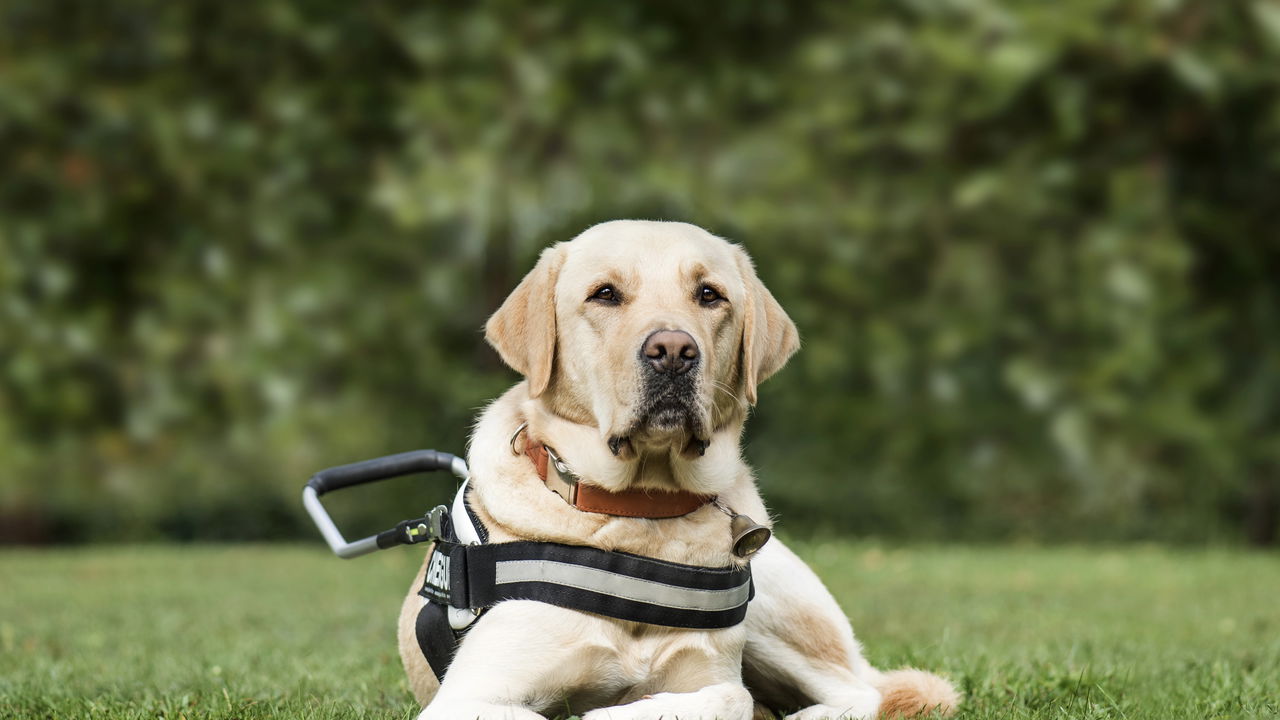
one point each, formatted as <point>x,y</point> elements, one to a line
<point>642,345</point>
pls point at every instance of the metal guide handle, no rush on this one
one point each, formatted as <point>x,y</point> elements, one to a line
<point>383,468</point>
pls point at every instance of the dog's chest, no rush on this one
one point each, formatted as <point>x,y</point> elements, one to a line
<point>646,660</point>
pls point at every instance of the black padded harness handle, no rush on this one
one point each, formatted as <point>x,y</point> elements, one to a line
<point>389,466</point>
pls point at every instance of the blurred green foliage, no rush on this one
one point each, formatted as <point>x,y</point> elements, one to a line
<point>1032,247</point>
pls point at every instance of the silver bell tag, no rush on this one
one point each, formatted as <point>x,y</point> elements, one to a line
<point>747,534</point>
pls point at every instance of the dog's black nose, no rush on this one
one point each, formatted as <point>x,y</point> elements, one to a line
<point>671,352</point>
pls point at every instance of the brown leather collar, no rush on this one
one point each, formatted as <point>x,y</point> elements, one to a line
<point>593,498</point>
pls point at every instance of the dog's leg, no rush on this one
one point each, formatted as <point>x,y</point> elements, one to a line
<point>800,648</point>
<point>801,652</point>
<point>723,701</point>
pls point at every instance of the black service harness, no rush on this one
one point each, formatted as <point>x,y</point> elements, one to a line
<point>466,574</point>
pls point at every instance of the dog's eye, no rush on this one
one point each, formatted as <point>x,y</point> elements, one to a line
<point>606,294</point>
<point>708,295</point>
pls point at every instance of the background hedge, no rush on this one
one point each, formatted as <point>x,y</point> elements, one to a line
<point>1033,248</point>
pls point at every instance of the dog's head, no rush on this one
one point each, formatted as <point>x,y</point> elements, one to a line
<point>657,333</point>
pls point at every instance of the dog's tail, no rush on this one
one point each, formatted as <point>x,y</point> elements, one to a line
<point>908,692</point>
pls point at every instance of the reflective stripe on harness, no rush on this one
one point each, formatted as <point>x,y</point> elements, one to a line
<point>619,585</point>
<point>471,578</point>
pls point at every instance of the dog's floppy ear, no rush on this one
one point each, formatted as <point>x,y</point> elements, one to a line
<point>523,330</point>
<point>769,337</point>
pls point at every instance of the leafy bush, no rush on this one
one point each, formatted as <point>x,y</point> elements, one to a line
<point>1031,247</point>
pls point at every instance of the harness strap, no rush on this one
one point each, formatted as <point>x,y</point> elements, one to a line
<point>466,524</point>
<point>437,640</point>
<point>614,584</point>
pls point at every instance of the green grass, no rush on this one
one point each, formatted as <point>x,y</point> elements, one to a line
<point>292,632</point>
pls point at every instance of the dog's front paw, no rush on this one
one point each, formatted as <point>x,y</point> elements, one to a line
<point>651,706</point>
<point>476,711</point>
<point>725,701</point>
<point>859,706</point>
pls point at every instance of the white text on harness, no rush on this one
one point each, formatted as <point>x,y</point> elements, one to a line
<point>438,572</point>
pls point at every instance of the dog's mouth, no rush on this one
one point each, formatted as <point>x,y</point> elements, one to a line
<point>669,415</point>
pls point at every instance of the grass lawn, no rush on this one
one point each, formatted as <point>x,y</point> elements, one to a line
<point>292,632</point>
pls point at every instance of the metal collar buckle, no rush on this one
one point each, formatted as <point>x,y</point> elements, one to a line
<point>567,476</point>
